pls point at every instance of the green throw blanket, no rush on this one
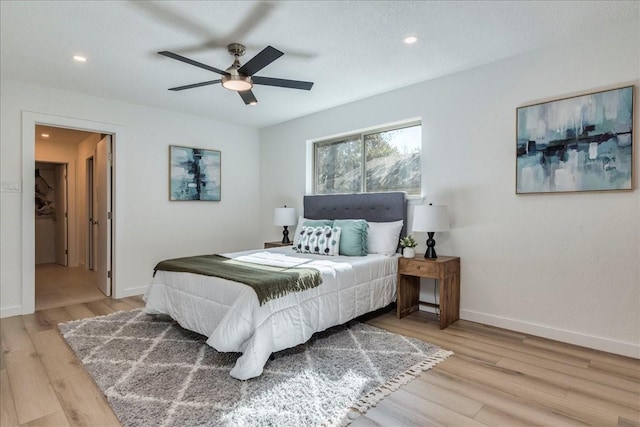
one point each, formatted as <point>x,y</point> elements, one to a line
<point>268,282</point>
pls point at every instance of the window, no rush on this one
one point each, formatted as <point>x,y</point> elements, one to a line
<point>381,160</point>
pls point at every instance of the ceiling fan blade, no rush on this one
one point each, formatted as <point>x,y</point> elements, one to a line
<point>248,97</point>
<point>210,82</point>
<point>203,47</point>
<point>258,14</point>
<point>261,60</point>
<point>191,62</point>
<point>291,84</point>
<point>172,16</point>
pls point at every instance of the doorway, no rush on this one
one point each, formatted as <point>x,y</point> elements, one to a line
<point>73,263</point>
<point>51,213</point>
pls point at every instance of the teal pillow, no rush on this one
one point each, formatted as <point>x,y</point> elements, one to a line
<point>353,236</point>
<point>317,223</point>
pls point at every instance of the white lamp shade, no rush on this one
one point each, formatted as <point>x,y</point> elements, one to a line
<point>430,218</point>
<point>284,216</point>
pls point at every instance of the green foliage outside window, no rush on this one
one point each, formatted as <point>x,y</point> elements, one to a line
<point>387,160</point>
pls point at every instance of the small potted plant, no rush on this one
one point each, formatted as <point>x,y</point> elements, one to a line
<point>409,244</point>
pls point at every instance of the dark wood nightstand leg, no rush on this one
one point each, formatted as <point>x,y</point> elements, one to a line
<point>408,295</point>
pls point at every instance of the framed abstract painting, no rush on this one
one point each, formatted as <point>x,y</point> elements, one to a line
<point>194,174</point>
<point>582,143</point>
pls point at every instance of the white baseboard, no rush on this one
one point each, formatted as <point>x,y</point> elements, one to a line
<point>426,308</point>
<point>598,343</point>
<point>132,292</point>
<point>14,310</point>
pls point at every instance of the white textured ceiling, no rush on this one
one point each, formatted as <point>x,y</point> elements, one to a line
<point>350,49</point>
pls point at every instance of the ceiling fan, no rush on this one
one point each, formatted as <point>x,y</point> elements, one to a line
<point>241,78</point>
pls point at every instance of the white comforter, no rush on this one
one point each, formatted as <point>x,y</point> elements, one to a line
<point>230,315</point>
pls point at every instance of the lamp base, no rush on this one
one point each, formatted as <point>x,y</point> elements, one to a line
<point>285,236</point>
<point>431,246</point>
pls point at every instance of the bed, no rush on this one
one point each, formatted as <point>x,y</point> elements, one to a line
<point>233,319</point>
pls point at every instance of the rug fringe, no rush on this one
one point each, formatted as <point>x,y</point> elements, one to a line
<point>375,396</point>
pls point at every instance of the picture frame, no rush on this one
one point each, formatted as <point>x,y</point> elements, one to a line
<point>576,144</point>
<point>194,174</point>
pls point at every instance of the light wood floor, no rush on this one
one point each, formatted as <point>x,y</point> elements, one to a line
<point>496,377</point>
<point>57,286</point>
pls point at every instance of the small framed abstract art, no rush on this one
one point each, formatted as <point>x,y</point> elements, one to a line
<point>194,174</point>
<point>582,143</point>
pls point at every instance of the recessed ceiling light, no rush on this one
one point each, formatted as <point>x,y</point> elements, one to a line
<point>79,58</point>
<point>44,135</point>
<point>410,40</point>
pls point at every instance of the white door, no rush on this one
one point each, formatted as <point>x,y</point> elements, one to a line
<point>61,215</point>
<point>102,214</point>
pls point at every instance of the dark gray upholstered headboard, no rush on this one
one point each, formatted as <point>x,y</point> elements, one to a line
<point>373,207</point>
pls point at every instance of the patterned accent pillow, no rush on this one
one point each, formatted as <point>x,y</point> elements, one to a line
<point>319,240</point>
<point>304,222</point>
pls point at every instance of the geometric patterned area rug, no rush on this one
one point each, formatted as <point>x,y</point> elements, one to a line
<point>155,373</point>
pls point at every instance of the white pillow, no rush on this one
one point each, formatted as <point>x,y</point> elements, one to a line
<point>319,240</point>
<point>384,237</point>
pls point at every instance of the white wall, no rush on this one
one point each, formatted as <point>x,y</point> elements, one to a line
<point>563,266</point>
<point>148,227</point>
<point>45,245</point>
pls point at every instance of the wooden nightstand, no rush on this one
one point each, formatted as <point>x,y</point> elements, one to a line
<point>268,245</point>
<point>446,270</point>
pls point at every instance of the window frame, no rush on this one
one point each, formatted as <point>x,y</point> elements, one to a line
<point>360,136</point>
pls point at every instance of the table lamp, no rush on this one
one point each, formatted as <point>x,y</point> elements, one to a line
<point>283,217</point>
<point>431,218</point>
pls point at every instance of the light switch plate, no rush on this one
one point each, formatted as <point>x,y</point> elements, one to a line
<point>11,187</point>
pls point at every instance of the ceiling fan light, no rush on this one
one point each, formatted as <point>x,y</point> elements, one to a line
<point>237,83</point>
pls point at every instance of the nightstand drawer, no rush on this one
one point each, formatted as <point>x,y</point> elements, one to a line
<point>419,268</point>
<point>268,245</point>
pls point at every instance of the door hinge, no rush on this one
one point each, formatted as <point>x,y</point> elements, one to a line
<point>109,274</point>
<point>65,215</point>
<point>108,215</point>
<point>109,158</point>
<point>66,252</point>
